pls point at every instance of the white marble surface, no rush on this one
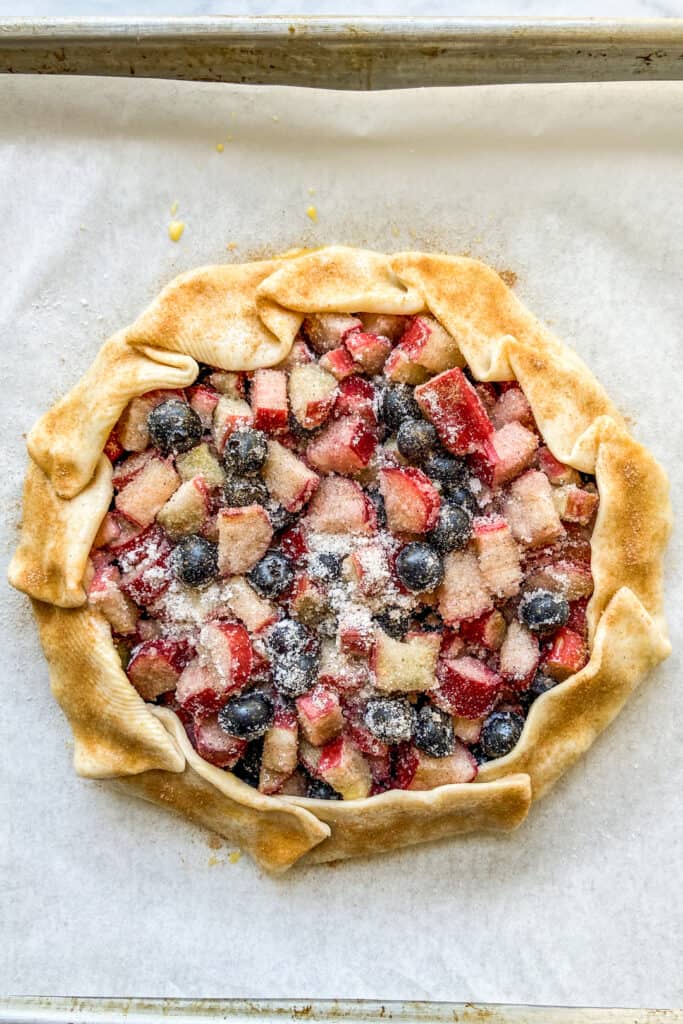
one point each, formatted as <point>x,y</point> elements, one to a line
<point>349,8</point>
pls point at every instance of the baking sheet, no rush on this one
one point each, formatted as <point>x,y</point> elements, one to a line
<point>575,189</point>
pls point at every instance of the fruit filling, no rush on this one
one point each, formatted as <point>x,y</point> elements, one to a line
<point>351,572</point>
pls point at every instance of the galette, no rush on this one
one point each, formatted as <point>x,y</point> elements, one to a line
<point>340,552</point>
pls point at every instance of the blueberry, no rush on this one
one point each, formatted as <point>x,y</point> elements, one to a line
<point>299,432</point>
<point>289,637</point>
<point>280,518</point>
<point>324,567</point>
<point>416,440</point>
<point>500,733</point>
<point>540,685</point>
<point>419,567</point>
<point>453,529</point>
<point>448,469</point>
<point>174,426</point>
<point>478,754</point>
<point>390,721</point>
<point>295,674</point>
<point>394,621</point>
<point>195,560</point>
<point>543,611</point>
<point>248,768</point>
<point>245,490</point>
<point>246,451</point>
<point>380,509</point>
<point>247,716</point>
<point>319,790</point>
<point>434,731</point>
<point>398,404</point>
<point>273,574</point>
<point>462,497</point>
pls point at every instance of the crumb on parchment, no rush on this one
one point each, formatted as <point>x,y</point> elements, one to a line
<point>175,230</point>
<point>312,212</point>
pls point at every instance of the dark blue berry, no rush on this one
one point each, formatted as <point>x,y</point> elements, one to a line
<point>174,426</point>
<point>453,529</point>
<point>540,685</point>
<point>394,621</point>
<point>246,451</point>
<point>462,497</point>
<point>195,560</point>
<point>319,790</point>
<point>543,611</point>
<point>389,720</point>
<point>478,754</point>
<point>272,575</point>
<point>295,674</point>
<point>419,567</point>
<point>247,716</point>
<point>289,637</point>
<point>248,768</point>
<point>324,567</point>
<point>447,469</point>
<point>398,404</point>
<point>434,731</point>
<point>280,518</point>
<point>380,509</point>
<point>416,440</point>
<point>500,733</point>
<point>245,490</point>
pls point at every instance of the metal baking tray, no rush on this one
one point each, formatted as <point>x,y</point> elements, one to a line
<point>341,53</point>
<point>337,53</point>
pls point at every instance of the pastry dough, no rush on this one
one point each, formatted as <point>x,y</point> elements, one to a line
<point>245,317</point>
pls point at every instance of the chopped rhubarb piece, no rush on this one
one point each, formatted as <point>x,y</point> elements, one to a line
<point>515,447</point>
<point>463,593</point>
<point>498,556</point>
<point>574,505</point>
<point>298,355</point>
<point>142,498</point>
<point>405,666</point>
<point>326,331</point>
<point>320,715</point>
<point>341,672</point>
<point>457,412</point>
<point>244,536</point>
<point>293,542</point>
<point>356,397</point>
<point>228,383</point>
<point>428,344</point>
<point>468,729</point>
<point>148,580</point>
<point>511,407</point>
<point>340,506</point>
<point>200,688</point>
<point>430,772</point>
<point>156,665</point>
<point>130,467</point>
<point>519,656</point>
<point>253,610</point>
<point>343,766</point>
<point>269,400</point>
<point>567,655</point>
<point>369,569</point>
<point>201,461</point>
<point>288,479</point>
<point>572,579</point>
<point>113,448</point>
<point>356,633</point>
<point>345,446</point>
<point>531,512</point>
<point>280,754</point>
<point>135,544</point>
<point>105,595</point>
<point>307,600</point>
<point>488,394</point>
<point>295,785</point>
<point>467,687</point>
<point>214,745</point>
<point>187,509</point>
<point>369,351</point>
<point>401,369</point>
<point>339,363</point>
<point>148,629</point>
<point>227,648</point>
<point>487,631</point>
<point>389,325</point>
<point>453,645</point>
<point>577,621</point>
<point>412,502</point>
<point>204,400</point>
<point>109,531</point>
<point>312,392</point>
<point>556,472</point>
<point>229,414</point>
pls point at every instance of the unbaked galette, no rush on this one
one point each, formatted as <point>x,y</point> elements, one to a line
<point>340,552</point>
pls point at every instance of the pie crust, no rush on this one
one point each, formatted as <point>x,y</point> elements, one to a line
<point>243,317</point>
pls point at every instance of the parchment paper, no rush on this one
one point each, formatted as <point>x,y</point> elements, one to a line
<point>576,189</point>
